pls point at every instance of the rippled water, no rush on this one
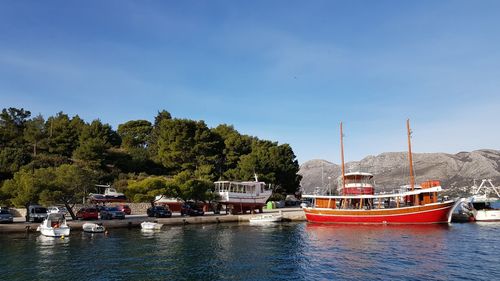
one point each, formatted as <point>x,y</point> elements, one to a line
<point>289,251</point>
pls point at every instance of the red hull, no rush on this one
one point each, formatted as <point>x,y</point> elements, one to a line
<point>391,216</point>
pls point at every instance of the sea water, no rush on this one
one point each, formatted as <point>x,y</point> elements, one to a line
<point>286,251</point>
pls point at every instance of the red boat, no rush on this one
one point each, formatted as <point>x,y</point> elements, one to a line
<point>413,204</point>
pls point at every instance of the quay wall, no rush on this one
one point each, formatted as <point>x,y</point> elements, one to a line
<point>135,221</point>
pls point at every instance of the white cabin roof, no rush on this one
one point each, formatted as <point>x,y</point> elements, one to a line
<point>363,174</point>
<point>241,182</point>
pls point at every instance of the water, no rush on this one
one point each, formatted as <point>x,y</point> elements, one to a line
<point>289,251</point>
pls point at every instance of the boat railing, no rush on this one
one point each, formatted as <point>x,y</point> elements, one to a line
<point>241,187</point>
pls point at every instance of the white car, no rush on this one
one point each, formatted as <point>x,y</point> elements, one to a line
<point>57,209</point>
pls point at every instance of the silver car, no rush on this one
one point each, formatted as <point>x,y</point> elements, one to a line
<point>6,216</point>
<point>110,213</point>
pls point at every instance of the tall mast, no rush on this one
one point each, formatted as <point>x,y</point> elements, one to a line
<point>342,157</point>
<point>410,159</point>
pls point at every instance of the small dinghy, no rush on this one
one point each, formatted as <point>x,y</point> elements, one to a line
<point>147,225</point>
<point>93,227</point>
<point>266,218</point>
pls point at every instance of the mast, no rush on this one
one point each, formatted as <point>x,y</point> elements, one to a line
<point>416,201</point>
<point>410,159</point>
<point>342,157</point>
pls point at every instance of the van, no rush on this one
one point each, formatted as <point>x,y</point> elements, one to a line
<point>36,213</point>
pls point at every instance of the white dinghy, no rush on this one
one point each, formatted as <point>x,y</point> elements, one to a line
<point>266,218</point>
<point>93,227</point>
<point>147,225</point>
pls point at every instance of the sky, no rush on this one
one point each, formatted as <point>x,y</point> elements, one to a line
<point>287,71</point>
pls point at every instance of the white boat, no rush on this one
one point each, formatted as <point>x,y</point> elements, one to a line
<point>147,225</point>
<point>485,202</point>
<point>54,226</point>
<point>266,218</point>
<point>110,195</point>
<point>93,227</point>
<point>242,196</point>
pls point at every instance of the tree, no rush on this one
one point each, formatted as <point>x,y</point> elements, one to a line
<point>63,135</point>
<point>147,189</point>
<point>135,134</point>
<point>69,186</point>
<point>192,189</point>
<point>11,160</point>
<point>65,184</point>
<point>90,153</point>
<point>34,132</point>
<point>235,146</point>
<point>155,133</point>
<point>175,144</point>
<point>286,167</point>
<point>25,187</point>
<point>12,122</point>
<point>95,139</point>
<point>208,151</point>
<point>188,145</point>
<point>273,163</point>
<point>102,132</point>
<point>13,154</point>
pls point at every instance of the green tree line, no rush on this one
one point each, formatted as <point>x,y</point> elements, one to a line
<point>59,159</point>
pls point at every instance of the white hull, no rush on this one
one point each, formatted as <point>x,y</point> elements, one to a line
<point>54,232</point>
<point>93,227</point>
<point>151,225</point>
<point>244,198</point>
<point>264,219</point>
<point>486,215</point>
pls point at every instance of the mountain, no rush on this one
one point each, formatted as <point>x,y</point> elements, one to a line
<point>391,169</point>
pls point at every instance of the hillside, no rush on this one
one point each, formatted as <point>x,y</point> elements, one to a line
<point>391,170</point>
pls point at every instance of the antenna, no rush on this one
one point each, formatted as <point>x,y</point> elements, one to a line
<point>410,158</point>
<point>342,157</point>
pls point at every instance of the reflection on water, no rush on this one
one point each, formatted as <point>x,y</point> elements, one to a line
<point>51,250</point>
<point>356,251</point>
<point>287,251</point>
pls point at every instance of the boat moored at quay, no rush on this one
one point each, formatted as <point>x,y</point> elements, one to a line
<point>484,204</point>
<point>54,226</point>
<point>358,203</point>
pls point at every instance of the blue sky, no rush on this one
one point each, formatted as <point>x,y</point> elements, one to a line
<point>288,71</point>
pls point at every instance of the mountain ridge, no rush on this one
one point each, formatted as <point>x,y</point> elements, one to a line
<point>391,169</point>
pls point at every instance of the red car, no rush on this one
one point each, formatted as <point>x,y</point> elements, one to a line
<point>87,214</point>
<point>124,208</point>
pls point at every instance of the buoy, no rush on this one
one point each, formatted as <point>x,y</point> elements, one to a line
<point>62,236</point>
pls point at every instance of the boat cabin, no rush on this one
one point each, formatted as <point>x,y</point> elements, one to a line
<point>55,220</point>
<point>357,183</point>
<point>358,193</point>
<point>250,187</point>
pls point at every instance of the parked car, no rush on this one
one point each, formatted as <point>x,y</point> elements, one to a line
<point>87,214</point>
<point>57,209</point>
<point>100,207</point>
<point>124,208</point>
<point>6,216</point>
<point>305,203</point>
<point>159,212</point>
<point>191,209</point>
<point>110,213</point>
<point>36,213</point>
